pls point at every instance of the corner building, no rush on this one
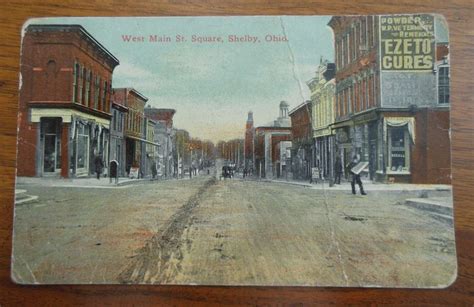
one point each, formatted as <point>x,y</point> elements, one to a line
<point>64,110</point>
<point>392,96</point>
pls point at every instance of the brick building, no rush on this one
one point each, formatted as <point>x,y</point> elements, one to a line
<point>249,157</point>
<point>392,96</point>
<point>117,136</point>
<point>64,111</point>
<point>266,138</point>
<point>265,141</point>
<point>134,129</point>
<point>281,154</point>
<point>302,141</point>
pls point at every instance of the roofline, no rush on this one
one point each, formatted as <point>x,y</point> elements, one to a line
<point>173,111</point>
<point>273,127</point>
<point>80,28</point>
<point>119,106</point>
<point>131,89</point>
<point>332,21</point>
<point>299,106</point>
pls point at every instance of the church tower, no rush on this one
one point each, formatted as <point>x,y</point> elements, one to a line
<point>249,145</point>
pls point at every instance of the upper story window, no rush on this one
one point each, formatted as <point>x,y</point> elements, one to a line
<point>87,93</point>
<point>79,87</point>
<point>443,84</point>
<point>96,92</point>
<point>84,83</point>
<point>104,97</point>
<point>75,82</point>
<point>363,32</point>
<point>348,49</point>
<point>370,30</point>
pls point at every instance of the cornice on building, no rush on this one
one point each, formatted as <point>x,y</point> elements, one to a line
<point>33,28</point>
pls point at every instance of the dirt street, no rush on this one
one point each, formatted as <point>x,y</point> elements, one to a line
<point>230,232</point>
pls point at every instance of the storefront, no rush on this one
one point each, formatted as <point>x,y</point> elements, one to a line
<point>50,146</point>
<point>69,141</point>
<point>398,137</point>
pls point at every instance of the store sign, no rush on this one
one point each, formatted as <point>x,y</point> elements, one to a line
<point>407,42</point>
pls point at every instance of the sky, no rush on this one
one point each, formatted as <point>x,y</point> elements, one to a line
<point>212,86</point>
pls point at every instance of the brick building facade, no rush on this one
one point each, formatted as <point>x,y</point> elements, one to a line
<point>134,129</point>
<point>249,145</point>
<point>265,140</point>
<point>266,137</point>
<point>302,141</point>
<point>117,136</point>
<point>64,109</point>
<point>392,96</point>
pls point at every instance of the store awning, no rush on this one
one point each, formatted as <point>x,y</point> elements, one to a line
<point>143,140</point>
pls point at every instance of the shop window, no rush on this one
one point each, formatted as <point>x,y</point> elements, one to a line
<point>82,161</point>
<point>398,149</point>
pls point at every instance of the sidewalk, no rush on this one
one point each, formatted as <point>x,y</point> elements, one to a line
<point>368,185</point>
<point>86,182</point>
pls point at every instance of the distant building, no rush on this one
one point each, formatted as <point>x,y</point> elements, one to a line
<point>283,157</point>
<point>135,129</point>
<point>249,157</point>
<point>323,88</point>
<point>117,139</point>
<point>283,120</point>
<point>266,138</point>
<point>65,109</point>
<point>150,147</point>
<point>302,141</point>
<point>182,156</point>
<point>164,136</point>
<point>392,105</point>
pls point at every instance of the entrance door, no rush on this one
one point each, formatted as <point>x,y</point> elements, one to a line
<point>372,158</point>
<point>49,154</point>
<point>51,141</point>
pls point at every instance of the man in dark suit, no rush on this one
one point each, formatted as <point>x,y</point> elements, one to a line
<point>356,177</point>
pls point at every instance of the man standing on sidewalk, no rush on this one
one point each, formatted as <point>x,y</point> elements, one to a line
<point>99,164</point>
<point>338,170</point>
<point>356,176</point>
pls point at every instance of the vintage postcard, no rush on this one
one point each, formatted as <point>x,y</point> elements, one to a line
<point>244,150</point>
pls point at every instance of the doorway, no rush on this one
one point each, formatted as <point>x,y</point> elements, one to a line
<point>51,139</point>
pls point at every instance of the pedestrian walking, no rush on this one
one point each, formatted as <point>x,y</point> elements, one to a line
<point>154,171</point>
<point>338,170</point>
<point>99,165</point>
<point>356,177</point>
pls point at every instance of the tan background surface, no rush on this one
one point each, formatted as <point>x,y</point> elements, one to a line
<point>460,15</point>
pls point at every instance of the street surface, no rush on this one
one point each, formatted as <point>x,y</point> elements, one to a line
<point>229,232</point>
